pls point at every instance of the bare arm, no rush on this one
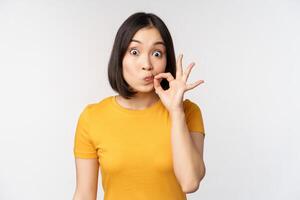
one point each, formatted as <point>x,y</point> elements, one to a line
<point>86,179</point>
<point>187,151</point>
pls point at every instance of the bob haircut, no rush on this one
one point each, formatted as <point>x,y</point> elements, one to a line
<point>122,40</point>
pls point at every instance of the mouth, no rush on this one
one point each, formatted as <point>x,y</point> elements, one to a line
<point>149,79</point>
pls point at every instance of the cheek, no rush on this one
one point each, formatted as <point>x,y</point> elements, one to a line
<point>161,66</point>
<point>128,68</point>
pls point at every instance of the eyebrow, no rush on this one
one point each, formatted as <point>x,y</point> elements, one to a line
<point>155,43</point>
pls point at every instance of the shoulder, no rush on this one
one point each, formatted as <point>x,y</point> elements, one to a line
<point>190,105</point>
<point>93,108</point>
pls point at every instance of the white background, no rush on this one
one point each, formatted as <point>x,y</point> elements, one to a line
<point>54,56</point>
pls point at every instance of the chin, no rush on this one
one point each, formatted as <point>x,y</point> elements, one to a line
<point>145,88</point>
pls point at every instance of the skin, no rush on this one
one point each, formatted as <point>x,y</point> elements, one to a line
<point>187,147</point>
<point>146,58</point>
<point>142,59</point>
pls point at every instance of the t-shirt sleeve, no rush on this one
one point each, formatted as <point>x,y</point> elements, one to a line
<point>194,118</point>
<point>83,146</point>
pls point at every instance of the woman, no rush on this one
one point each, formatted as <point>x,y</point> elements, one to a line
<point>147,140</point>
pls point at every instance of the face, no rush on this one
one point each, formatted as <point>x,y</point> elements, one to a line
<point>145,56</point>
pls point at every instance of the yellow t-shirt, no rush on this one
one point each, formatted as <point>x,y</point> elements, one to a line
<point>133,148</point>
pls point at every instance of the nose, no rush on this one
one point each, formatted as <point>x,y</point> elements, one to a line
<point>146,63</point>
<point>148,67</point>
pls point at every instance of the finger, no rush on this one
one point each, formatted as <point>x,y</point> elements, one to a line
<point>167,75</point>
<point>188,71</point>
<point>193,85</point>
<point>179,65</point>
<point>157,86</point>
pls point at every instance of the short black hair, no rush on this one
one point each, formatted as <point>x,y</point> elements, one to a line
<point>122,40</point>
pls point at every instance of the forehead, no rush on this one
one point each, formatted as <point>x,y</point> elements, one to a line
<point>147,36</point>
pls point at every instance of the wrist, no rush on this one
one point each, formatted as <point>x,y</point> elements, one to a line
<point>176,112</point>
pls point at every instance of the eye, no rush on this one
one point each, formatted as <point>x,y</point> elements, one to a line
<point>158,53</point>
<point>133,51</point>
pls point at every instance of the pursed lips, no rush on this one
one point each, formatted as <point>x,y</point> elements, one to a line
<point>149,78</point>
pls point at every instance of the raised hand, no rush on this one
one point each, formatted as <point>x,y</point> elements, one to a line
<point>173,97</point>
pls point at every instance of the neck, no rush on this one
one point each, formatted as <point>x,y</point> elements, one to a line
<point>139,102</point>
